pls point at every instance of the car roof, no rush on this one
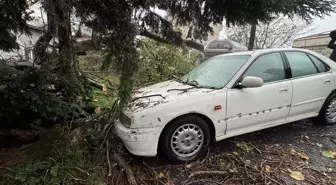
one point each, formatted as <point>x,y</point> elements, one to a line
<point>263,51</point>
<point>256,53</point>
<point>233,43</point>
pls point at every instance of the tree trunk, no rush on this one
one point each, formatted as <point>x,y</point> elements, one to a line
<point>43,42</point>
<point>64,35</point>
<point>252,36</point>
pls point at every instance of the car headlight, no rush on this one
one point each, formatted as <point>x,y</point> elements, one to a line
<point>125,120</point>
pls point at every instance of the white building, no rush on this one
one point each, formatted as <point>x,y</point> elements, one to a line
<point>26,43</point>
<point>37,27</point>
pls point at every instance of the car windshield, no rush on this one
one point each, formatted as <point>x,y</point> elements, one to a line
<point>215,72</point>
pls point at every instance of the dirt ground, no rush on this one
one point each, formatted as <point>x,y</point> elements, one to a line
<point>288,154</point>
<point>291,154</point>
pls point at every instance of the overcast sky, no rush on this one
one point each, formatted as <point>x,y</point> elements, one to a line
<point>328,23</point>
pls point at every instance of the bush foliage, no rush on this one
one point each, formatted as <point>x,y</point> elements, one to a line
<point>65,156</point>
<point>34,93</point>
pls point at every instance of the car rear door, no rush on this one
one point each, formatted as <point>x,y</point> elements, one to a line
<point>251,109</point>
<point>312,84</point>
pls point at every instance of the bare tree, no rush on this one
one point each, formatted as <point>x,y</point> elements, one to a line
<point>278,33</point>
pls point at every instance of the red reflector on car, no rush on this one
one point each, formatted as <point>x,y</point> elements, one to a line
<point>218,107</point>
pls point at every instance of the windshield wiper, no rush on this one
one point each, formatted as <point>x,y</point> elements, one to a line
<point>184,90</point>
<point>193,83</point>
<point>190,82</point>
<point>136,98</point>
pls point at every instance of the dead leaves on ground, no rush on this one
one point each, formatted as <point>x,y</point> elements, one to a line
<point>273,166</point>
<point>297,175</point>
<point>98,110</point>
<point>247,147</point>
<point>161,175</point>
<point>267,168</point>
<point>302,155</point>
<point>292,151</point>
<point>104,88</point>
<point>329,154</point>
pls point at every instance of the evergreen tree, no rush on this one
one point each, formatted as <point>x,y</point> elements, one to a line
<point>13,17</point>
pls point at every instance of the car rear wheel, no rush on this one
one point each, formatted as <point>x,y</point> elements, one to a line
<point>327,114</point>
<point>185,139</point>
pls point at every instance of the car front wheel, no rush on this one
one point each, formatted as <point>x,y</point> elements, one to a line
<point>186,139</point>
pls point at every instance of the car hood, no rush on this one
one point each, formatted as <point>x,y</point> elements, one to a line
<point>161,93</point>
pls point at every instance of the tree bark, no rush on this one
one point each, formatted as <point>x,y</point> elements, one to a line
<point>64,35</point>
<point>252,36</point>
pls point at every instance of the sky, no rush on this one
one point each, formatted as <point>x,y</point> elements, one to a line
<point>328,23</point>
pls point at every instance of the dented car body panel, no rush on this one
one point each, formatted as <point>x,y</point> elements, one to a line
<point>232,111</point>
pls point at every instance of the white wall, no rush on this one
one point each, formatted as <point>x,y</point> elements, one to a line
<point>26,43</point>
<point>315,43</point>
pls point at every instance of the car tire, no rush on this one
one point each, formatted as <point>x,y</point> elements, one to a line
<point>328,112</point>
<point>185,139</point>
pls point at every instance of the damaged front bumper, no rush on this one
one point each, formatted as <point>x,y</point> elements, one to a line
<point>140,141</point>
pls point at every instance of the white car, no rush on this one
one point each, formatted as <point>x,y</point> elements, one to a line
<point>226,96</point>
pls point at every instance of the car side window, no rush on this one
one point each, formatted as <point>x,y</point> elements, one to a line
<point>224,45</point>
<point>269,67</point>
<point>322,67</point>
<point>300,64</point>
<point>213,45</point>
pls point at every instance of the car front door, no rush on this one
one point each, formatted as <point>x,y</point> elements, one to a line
<point>250,109</point>
<point>312,84</point>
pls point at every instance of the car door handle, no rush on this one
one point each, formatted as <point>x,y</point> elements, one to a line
<point>326,81</point>
<point>282,90</point>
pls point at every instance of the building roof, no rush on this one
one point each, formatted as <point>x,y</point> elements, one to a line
<point>321,34</point>
<point>36,28</point>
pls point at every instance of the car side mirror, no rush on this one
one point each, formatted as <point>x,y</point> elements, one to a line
<point>252,82</point>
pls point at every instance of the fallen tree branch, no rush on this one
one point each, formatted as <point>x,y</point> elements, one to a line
<point>257,149</point>
<point>108,159</point>
<point>332,140</point>
<point>96,76</point>
<point>107,133</point>
<point>203,181</point>
<point>189,43</point>
<point>19,133</point>
<point>206,157</point>
<point>209,173</point>
<point>128,171</point>
<point>75,178</point>
<point>94,83</point>
<point>272,179</point>
<point>83,171</point>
